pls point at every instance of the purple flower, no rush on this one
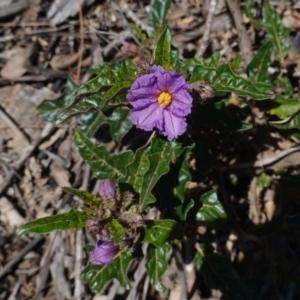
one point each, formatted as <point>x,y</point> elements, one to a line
<point>103,253</point>
<point>107,189</point>
<point>160,100</point>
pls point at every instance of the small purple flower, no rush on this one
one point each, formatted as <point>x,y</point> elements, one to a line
<point>103,253</point>
<point>107,189</point>
<point>160,100</point>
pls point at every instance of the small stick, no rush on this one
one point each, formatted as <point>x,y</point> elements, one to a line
<point>244,40</point>
<point>27,153</point>
<point>208,23</point>
<point>18,133</point>
<point>81,46</point>
<point>181,274</point>
<point>19,256</point>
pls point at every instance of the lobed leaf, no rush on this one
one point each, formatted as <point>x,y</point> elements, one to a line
<point>157,18</point>
<point>119,122</point>
<point>48,110</point>
<point>98,276</point>
<point>157,264</point>
<point>73,219</point>
<point>276,33</point>
<point>258,67</point>
<point>158,232</point>
<point>148,165</point>
<point>112,80</point>
<point>170,189</point>
<point>103,164</point>
<point>86,197</point>
<point>236,63</point>
<point>211,208</point>
<point>286,108</point>
<point>162,51</point>
<point>251,12</point>
<point>224,80</point>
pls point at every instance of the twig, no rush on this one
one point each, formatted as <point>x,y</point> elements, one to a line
<point>131,15</point>
<point>15,291</point>
<point>19,256</point>
<point>78,246</point>
<point>208,23</point>
<point>45,262</point>
<point>264,162</point>
<point>181,274</point>
<point>78,266</point>
<point>244,41</point>
<point>113,290</point>
<point>26,154</point>
<point>139,275</point>
<point>17,132</point>
<point>81,45</point>
<point>253,201</point>
<point>145,288</point>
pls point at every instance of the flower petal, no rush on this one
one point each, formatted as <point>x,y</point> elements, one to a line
<point>103,253</point>
<point>173,125</point>
<point>181,103</point>
<point>148,117</point>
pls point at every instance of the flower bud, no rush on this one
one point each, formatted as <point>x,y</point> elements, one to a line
<point>205,90</point>
<point>103,253</point>
<point>107,189</point>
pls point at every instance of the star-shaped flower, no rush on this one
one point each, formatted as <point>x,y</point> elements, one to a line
<point>160,100</point>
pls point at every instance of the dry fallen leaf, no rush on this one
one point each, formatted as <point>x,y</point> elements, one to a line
<point>16,58</point>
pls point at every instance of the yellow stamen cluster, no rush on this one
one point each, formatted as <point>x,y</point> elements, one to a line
<point>164,99</point>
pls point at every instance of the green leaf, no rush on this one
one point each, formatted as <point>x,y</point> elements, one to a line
<point>289,123</point>
<point>218,274</point>
<point>73,219</point>
<point>157,264</point>
<point>119,122</point>
<point>162,51</point>
<point>170,189</point>
<point>285,86</point>
<point>236,64</point>
<point>211,208</point>
<point>250,11</point>
<point>215,59</point>
<point>158,232</point>
<point>98,276</point>
<point>198,260</point>
<point>149,164</point>
<point>90,122</point>
<point>103,164</point>
<point>157,18</point>
<point>117,231</point>
<point>138,33</point>
<point>184,175</point>
<point>86,197</point>
<point>112,80</point>
<point>258,67</point>
<point>181,66</point>
<point>286,108</point>
<point>224,80</point>
<point>48,110</point>
<point>264,180</point>
<point>276,33</point>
